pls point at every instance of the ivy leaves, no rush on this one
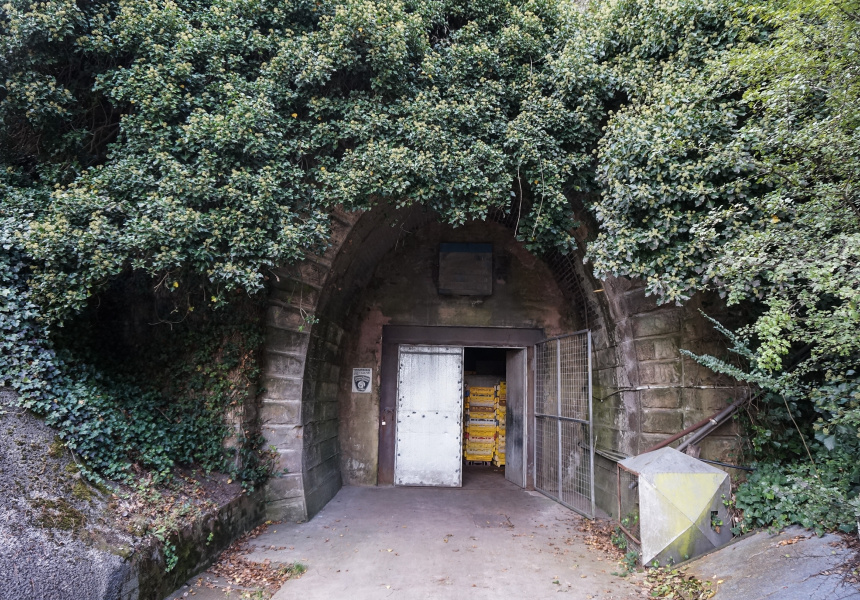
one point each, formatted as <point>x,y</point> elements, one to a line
<point>203,143</point>
<point>233,127</point>
<point>199,145</point>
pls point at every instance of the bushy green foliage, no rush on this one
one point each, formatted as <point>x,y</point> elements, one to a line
<point>822,497</point>
<point>734,167</point>
<point>107,416</point>
<point>804,436</point>
<point>731,165</point>
<point>226,129</point>
<point>199,144</point>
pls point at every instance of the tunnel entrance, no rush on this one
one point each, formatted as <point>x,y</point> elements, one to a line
<point>430,370</point>
<point>336,322</point>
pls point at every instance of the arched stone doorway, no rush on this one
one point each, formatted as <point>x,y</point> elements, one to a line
<point>328,315</point>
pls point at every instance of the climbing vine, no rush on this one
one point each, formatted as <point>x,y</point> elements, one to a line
<point>195,146</point>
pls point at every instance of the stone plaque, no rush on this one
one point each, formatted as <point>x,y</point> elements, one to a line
<point>466,269</point>
<point>361,380</point>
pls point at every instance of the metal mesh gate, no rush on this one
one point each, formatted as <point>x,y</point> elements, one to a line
<point>628,510</point>
<point>564,449</point>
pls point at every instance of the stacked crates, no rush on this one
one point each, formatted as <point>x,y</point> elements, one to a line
<point>501,402</point>
<point>484,424</point>
<point>480,424</point>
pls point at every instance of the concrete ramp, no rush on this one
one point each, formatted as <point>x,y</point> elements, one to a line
<point>792,565</point>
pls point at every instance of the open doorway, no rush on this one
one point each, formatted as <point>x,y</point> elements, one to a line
<point>423,381</point>
<point>455,413</point>
<point>493,419</point>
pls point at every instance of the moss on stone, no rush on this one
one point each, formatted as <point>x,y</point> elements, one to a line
<point>123,551</point>
<point>82,491</point>
<point>58,514</point>
<point>56,448</point>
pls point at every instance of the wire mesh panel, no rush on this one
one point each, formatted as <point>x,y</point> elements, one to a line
<point>546,455</point>
<point>576,474</point>
<point>546,379</point>
<point>564,452</point>
<point>573,370</point>
<point>628,509</point>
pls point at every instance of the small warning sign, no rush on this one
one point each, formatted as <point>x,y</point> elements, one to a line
<point>361,379</point>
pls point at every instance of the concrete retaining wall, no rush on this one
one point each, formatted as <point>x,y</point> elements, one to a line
<point>60,538</point>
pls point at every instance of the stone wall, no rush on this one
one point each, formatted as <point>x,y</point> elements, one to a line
<point>299,371</point>
<point>402,291</point>
<point>644,390</point>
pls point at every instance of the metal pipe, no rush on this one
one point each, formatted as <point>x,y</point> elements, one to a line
<point>558,403</point>
<point>591,429</point>
<point>571,419</point>
<point>722,464</point>
<point>715,419</point>
<point>710,426</point>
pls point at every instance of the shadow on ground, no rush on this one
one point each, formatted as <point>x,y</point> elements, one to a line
<point>488,539</point>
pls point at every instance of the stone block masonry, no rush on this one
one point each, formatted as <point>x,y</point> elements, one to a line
<point>301,368</point>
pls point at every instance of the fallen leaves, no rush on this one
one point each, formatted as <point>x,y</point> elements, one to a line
<point>792,541</point>
<point>265,576</point>
<point>665,582</point>
<point>850,567</point>
<point>598,536</point>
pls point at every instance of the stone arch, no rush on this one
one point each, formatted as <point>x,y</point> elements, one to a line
<point>644,389</point>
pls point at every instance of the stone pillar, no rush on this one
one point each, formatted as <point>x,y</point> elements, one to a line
<point>287,418</point>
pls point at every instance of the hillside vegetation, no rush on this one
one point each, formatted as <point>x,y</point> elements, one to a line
<point>188,147</point>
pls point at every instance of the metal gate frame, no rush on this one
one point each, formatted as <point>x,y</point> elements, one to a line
<point>563,411</point>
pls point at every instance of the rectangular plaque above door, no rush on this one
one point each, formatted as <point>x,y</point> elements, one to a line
<point>466,269</point>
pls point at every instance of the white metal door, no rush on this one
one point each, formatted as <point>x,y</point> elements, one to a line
<point>428,448</point>
<point>563,430</point>
<point>516,434</point>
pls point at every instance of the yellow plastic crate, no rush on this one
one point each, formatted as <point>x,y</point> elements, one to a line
<point>475,389</point>
<point>480,442</point>
<point>486,405</point>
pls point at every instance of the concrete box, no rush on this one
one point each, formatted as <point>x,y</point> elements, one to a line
<point>674,503</point>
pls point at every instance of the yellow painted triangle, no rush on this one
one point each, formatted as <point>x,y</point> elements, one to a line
<point>691,493</point>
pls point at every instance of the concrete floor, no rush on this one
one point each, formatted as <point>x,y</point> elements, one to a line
<point>488,539</point>
<point>491,539</point>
